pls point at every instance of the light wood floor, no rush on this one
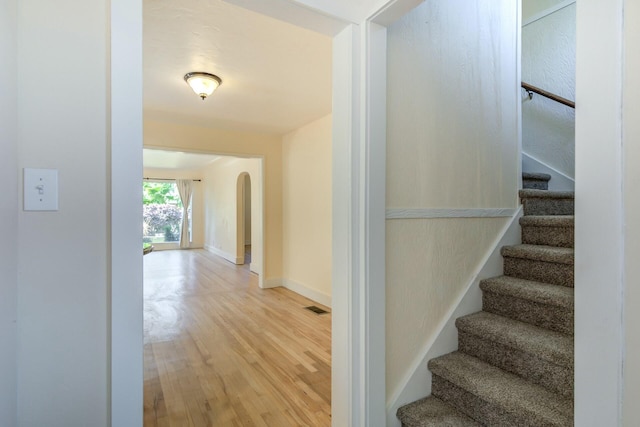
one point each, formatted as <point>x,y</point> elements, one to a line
<point>219,351</point>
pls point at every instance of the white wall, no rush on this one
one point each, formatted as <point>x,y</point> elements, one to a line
<point>8,212</point>
<point>631,114</point>
<point>548,62</point>
<point>63,353</point>
<point>197,207</point>
<point>247,210</point>
<point>220,208</point>
<point>306,210</point>
<point>354,10</point>
<point>452,142</point>
<point>532,8</point>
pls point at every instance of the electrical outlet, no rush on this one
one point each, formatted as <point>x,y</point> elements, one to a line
<point>40,189</point>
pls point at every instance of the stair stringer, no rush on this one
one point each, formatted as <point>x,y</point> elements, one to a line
<point>559,181</point>
<point>417,383</point>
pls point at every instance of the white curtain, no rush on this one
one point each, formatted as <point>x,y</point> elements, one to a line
<point>185,188</point>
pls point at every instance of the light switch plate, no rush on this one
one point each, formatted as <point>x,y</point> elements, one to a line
<point>40,189</point>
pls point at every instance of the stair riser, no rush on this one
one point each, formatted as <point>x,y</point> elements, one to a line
<point>548,206</point>
<point>550,317</point>
<point>432,412</point>
<point>541,271</point>
<point>478,409</point>
<point>535,184</point>
<point>550,236</point>
<point>555,378</point>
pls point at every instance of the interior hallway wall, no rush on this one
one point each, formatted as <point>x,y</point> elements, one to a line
<point>549,62</point>
<point>306,211</point>
<point>63,284</point>
<point>8,212</point>
<point>221,203</point>
<point>452,143</point>
<point>229,142</point>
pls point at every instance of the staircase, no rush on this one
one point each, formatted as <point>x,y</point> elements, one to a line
<point>514,363</point>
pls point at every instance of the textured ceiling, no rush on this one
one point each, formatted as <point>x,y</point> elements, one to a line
<point>276,77</point>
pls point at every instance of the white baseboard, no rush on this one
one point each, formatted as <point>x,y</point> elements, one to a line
<point>558,182</point>
<point>229,257</point>
<point>300,289</point>
<point>273,282</point>
<point>307,292</point>
<point>417,383</point>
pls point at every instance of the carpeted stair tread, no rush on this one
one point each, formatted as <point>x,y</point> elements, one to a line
<point>545,194</point>
<point>542,293</point>
<point>433,412</point>
<point>537,181</point>
<point>548,221</point>
<point>507,393</point>
<point>542,304</point>
<point>549,230</point>
<point>544,202</point>
<point>514,364</point>
<point>540,253</point>
<point>536,176</point>
<point>545,344</point>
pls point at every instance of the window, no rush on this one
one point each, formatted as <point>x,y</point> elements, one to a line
<point>162,212</point>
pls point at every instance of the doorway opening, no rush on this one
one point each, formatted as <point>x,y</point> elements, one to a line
<point>243,196</point>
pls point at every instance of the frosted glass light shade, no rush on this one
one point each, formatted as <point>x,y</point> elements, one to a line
<point>203,84</point>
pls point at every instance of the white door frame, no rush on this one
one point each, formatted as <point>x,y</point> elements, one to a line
<point>359,205</point>
<point>359,153</point>
<point>125,305</point>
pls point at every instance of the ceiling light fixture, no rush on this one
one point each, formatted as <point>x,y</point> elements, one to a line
<point>203,84</point>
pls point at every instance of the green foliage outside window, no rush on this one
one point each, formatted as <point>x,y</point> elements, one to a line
<point>164,193</point>
<point>162,212</point>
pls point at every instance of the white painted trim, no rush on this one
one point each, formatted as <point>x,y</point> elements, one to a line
<point>254,268</point>
<point>417,382</point>
<point>274,282</point>
<point>307,292</point>
<point>547,12</point>
<point>346,388</point>
<point>392,11</point>
<point>373,285</point>
<point>226,255</point>
<point>366,236</point>
<point>558,182</point>
<point>125,231</point>
<point>428,213</point>
<point>599,214</point>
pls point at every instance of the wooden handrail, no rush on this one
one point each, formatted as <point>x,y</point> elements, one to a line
<point>531,89</point>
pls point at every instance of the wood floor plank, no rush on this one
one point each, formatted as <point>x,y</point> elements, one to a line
<point>220,351</point>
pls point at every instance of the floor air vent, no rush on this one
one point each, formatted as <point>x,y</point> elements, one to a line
<point>316,310</point>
